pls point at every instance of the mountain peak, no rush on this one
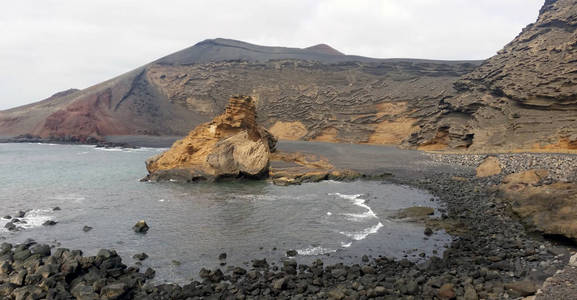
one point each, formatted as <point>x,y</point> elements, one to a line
<point>324,49</point>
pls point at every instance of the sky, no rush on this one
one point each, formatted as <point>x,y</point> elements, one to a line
<point>47,46</point>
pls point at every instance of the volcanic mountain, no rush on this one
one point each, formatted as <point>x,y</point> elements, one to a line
<point>316,93</point>
<point>523,98</point>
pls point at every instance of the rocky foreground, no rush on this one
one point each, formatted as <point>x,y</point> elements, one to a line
<point>492,256</point>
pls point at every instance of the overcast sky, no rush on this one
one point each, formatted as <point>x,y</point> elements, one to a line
<point>51,45</point>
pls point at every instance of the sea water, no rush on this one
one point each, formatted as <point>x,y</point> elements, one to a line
<point>191,224</point>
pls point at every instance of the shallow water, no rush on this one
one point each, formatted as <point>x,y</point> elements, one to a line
<point>193,223</point>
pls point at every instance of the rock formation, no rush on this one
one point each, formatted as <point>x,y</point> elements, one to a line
<point>231,145</point>
<point>525,97</point>
<point>549,208</point>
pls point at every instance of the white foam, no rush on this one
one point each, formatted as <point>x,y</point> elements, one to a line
<point>329,213</point>
<point>75,198</point>
<point>358,202</point>
<point>361,235</point>
<point>161,200</point>
<point>35,218</point>
<point>346,245</point>
<point>108,149</point>
<point>315,251</point>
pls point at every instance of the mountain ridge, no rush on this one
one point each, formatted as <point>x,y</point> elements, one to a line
<point>173,94</point>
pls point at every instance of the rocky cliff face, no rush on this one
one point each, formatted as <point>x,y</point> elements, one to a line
<point>231,145</point>
<point>523,98</point>
<point>316,93</point>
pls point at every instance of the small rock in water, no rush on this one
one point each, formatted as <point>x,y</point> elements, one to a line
<point>49,223</point>
<point>140,256</point>
<point>140,227</point>
<point>56,208</point>
<point>10,226</point>
<point>365,258</point>
<point>260,263</point>
<point>222,256</point>
<point>291,253</point>
<point>20,214</point>
<point>428,231</point>
<point>149,273</point>
<point>86,228</point>
<point>8,217</point>
<point>176,263</point>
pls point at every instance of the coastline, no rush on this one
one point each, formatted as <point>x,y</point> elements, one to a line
<point>491,255</point>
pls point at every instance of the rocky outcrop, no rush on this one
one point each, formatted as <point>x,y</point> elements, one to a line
<point>549,208</point>
<point>525,97</point>
<point>296,168</point>
<point>231,145</point>
<point>489,167</point>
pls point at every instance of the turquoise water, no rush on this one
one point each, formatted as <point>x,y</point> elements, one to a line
<point>193,223</point>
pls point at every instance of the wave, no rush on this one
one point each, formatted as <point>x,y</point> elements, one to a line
<point>76,198</point>
<point>315,251</point>
<point>32,219</point>
<point>109,149</point>
<point>358,202</point>
<point>361,235</point>
<point>346,245</point>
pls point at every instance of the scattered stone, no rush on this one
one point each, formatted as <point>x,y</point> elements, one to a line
<point>49,223</point>
<point>140,256</point>
<point>20,214</point>
<point>573,261</point>
<point>447,291</point>
<point>149,273</point>
<point>140,227</point>
<point>489,167</point>
<point>428,231</point>
<point>522,288</point>
<point>222,256</point>
<point>10,226</point>
<point>86,228</point>
<point>57,208</point>
<point>260,263</point>
<point>292,253</point>
<point>280,284</point>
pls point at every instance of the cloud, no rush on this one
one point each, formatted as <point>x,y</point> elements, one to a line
<point>52,45</point>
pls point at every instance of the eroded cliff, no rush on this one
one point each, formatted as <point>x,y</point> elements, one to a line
<point>523,98</point>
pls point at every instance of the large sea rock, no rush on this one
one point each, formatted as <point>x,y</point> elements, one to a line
<point>231,145</point>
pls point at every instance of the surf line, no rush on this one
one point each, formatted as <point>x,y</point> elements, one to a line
<point>360,235</point>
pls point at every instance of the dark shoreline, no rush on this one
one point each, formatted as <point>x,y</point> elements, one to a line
<point>493,256</point>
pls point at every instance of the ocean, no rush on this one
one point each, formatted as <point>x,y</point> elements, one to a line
<point>191,224</point>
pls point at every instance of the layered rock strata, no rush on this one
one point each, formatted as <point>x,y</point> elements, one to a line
<point>525,97</point>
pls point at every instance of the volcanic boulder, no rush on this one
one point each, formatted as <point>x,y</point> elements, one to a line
<point>231,145</point>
